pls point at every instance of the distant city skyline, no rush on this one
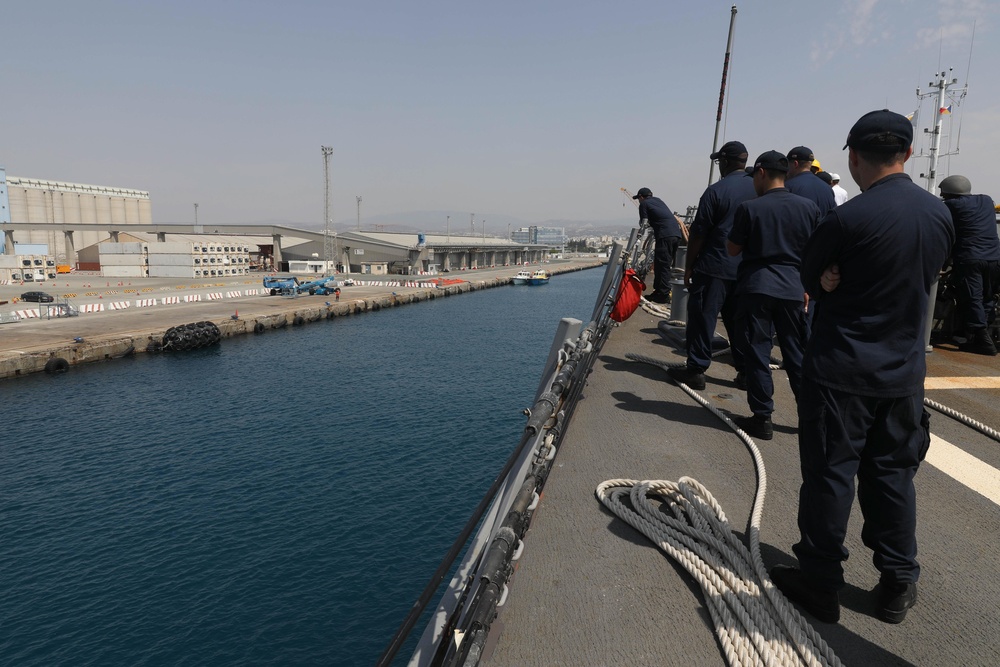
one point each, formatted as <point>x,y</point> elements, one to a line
<point>536,112</point>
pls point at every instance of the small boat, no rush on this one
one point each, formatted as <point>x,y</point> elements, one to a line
<point>539,277</point>
<point>522,277</point>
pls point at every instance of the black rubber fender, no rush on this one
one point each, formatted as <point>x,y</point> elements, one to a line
<point>298,321</point>
<point>258,327</point>
<point>56,365</point>
<point>375,306</point>
<point>154,346</point>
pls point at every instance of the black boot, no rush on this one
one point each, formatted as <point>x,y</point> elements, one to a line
<point>979,343</point>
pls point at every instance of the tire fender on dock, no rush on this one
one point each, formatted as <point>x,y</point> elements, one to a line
<point>56,365</point>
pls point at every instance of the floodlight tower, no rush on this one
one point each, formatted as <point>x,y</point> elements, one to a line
<point>359,212</point>
<point>328,250</point>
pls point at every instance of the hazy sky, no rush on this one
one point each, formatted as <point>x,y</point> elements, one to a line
<point>541,110</point>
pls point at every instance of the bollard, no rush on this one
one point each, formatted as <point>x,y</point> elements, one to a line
<point>678,300</point>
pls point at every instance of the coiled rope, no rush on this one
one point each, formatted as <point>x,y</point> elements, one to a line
<point>755,624</point>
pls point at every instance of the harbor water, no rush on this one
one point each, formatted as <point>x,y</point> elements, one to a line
<point>274,500</point>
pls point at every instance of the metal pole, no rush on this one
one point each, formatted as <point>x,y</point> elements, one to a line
<point>935,148</point>
<point>327,247</point>
<point>359,212</point>
<point>722,91</point>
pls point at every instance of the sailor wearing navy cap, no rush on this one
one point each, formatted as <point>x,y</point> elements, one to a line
<point>667,235</point>
<point>804,182</point>
<point>709,271</point>
<point>869,265</point>
<point>770,233</point>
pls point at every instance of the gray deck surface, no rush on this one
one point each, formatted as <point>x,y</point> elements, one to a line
<point>590,590</point>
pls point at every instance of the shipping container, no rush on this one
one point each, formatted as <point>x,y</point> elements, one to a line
<point>123,271</point>
<point>171,272</point>
<point>122,260</point>
<point>171,260</point>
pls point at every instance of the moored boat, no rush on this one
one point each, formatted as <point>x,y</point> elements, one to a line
<point>539,277</point>
<point>522,277</point>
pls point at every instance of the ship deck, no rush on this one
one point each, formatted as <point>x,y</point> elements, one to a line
<point>591,590</point>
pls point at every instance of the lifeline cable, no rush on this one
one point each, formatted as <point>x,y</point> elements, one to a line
<point>662,311</point>
<point>753,620</point>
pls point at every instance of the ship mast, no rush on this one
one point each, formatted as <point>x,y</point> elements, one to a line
<point>939,90</point>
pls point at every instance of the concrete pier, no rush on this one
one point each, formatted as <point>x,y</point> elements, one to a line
<point>28,345</point>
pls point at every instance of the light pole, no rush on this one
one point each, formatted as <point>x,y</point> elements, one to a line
<point>359,212</point>
<point>472,222</point>
<point>195,215</point>
<point>448,227</point>
<point>327,241</point>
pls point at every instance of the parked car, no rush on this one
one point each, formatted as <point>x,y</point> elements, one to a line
<point>39,297</point>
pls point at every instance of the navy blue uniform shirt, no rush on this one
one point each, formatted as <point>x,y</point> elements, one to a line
<point>975,221</point>
<point>773,229</point>
<point>660,217</point>
<point>890,243</point>
<point>714,219</point>
<point>812,187</point>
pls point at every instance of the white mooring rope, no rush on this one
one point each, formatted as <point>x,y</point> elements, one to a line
<point>965,419</point>
<point>754,622</point>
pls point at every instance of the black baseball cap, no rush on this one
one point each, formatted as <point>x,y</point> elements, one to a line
<point>802,154</point>
<point>771,160</point>
<point>881,131</point>
<point>643,192</point>
<point>825,177</point>
<point>731,149</point>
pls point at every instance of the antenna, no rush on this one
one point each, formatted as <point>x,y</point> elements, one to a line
<point>722,90</point>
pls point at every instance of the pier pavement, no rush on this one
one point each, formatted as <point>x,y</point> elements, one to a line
<point>28,344</point>
<point>591,590</point>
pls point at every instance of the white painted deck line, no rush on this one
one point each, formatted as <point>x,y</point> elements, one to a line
<point>988,382</point>
<point>964,468</point>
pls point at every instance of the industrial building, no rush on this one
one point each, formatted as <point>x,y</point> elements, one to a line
<point>113,229</point>
<point>31,200</point>
<point>554,237</point>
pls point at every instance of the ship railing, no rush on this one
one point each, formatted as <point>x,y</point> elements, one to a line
<point>459,626</point>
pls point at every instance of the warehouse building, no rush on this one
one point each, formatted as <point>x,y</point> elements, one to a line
<point>32,200</point>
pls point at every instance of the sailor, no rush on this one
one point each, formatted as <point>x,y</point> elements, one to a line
<point>839,194</point>
<point>667,233</point>
<point>976,261</point>
<point>770,233</point>
<point>709,271</point>
<point>870,264</point>
<point>802,181</point>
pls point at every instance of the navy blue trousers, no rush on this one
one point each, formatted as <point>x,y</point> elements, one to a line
<point>976,286</point>
<point>761,315</point>
<point>663,261</point>
<point>881,441</point>
<point>707,297</point>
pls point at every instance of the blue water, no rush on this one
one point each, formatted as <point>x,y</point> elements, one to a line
<point>276,500</point>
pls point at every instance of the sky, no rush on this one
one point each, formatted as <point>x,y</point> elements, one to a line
<point>536,111</point>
